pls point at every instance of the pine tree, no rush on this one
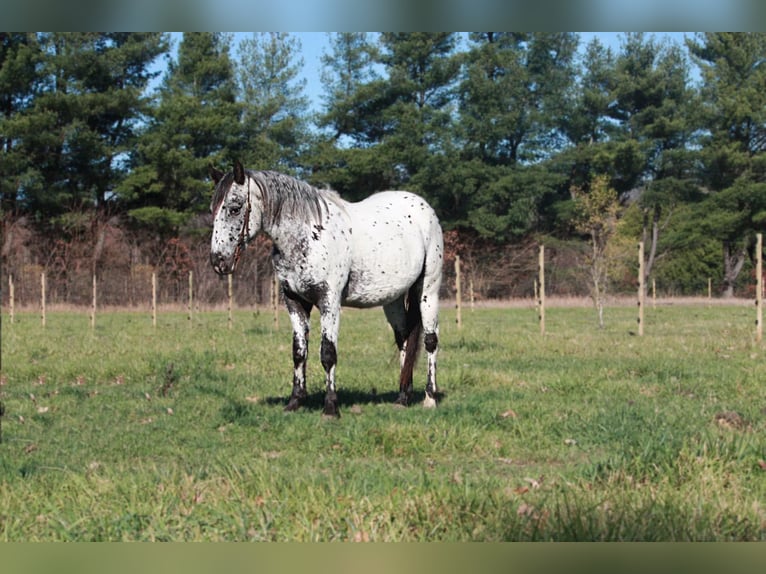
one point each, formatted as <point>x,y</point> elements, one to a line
<point>274,102</point>
<point>195,122</point>
<point>734,149</point>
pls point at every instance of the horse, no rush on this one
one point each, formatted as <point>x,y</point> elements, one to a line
<point>386,250</point>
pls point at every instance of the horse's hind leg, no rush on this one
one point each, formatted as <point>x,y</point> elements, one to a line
<point>299,317</point>
<point>429,311</point>
<point>396,314</point>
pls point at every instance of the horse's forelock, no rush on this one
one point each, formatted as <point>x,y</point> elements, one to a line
<point>219,194</point>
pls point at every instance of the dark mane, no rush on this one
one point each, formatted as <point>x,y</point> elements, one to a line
<point>282,196</point>
<point>221,189</point>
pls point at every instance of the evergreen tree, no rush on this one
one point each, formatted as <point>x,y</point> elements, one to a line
<point>513,105</point>
<point>195,122</point>
<point>79,116</point>
<point>20,55</point>
<point>734,149</point>
<point>275,107</point>
<point>417,141</point>
<point>355,98</point>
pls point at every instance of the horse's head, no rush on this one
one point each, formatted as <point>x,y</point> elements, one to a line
<point>233,217</point>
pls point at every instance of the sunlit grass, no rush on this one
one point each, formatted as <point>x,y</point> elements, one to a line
<point>177,433</point>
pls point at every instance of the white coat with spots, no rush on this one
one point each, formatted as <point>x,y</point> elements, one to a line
<point>386,250</point>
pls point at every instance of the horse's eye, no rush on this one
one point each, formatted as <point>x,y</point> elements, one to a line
<point>234,210</point>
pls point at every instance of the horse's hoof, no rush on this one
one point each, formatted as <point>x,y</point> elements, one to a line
<point>331,411</point>
<point>293,405</point>
<point>429,402</point>
<point>331,406</point>
<point>402,400</point>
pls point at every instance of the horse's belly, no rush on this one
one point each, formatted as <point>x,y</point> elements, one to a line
<point>382,280</point>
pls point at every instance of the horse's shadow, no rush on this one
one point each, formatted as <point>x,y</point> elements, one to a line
<point>240,410</point>
<point>348,398</point>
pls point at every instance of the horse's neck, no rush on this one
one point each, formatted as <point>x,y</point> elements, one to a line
<point>284,231</point>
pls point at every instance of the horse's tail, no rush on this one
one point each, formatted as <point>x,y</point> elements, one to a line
<point>414,328</point>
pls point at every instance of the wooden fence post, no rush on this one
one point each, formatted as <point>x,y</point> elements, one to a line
<point>275,300</point>
<point>93,305</point>
<point>231,296</point>
<point>541,289</point>
<point>759,287</point>
<point>641,289</point>
<point>191,301</point>
<point>154,298</point>
<point>458,293</point>
<point>11,298</point>
<point>42,298</point>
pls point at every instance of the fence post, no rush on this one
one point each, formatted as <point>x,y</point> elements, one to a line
<point>93,305</point>
<point>275,300</point>
<point>230,297</point>
<point>759,287</point>
<point>541,289</point>
<point>641,290</point>
<point>154,298</point>
<point>42,298</point>
<point>191,302</point>
<point>11,298</point>
<point>458,293</point>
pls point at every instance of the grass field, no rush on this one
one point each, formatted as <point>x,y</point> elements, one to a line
<point>177,433</point>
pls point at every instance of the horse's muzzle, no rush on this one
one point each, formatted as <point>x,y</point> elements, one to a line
<point>222,265</point>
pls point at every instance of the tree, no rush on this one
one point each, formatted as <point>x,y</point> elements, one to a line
<point>393,132</point>
<point>274,104</point>
<point>353,123</point>
<point>195,122</point>
<point>20,55</point>
<point>596,216</point>
<point>79,114</point>
<point>512,98</point>
<point>654,105</point>
<point>733,154</point>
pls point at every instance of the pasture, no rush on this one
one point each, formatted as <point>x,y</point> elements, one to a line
<point>129,432</point>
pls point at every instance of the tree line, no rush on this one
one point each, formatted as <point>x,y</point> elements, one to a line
<point>506,134</point>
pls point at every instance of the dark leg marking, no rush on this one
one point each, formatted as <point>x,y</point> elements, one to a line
<point>300,312</point>
<point>329,358</point>
<point>431,341</point>
<point>300,352</point>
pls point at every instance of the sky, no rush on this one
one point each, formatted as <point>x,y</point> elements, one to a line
<point>314,44</point>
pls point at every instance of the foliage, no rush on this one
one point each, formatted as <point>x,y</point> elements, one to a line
<point>274,121</point>
<point>596,211</point>
<point>494,129</point>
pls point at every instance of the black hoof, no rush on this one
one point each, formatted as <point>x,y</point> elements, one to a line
<point>331,406</point>
<point>295,401</point>
<point>293,405</point>
<point>403,399</point>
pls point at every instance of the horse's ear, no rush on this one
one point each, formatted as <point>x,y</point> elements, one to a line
<point>239,173</point>
<point>215,174</point>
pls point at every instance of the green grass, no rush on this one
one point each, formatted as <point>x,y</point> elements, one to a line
<point>134,433</point>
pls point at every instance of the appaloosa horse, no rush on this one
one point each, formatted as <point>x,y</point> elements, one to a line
<point>385,250</point>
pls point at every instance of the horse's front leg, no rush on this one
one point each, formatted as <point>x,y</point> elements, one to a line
<point>330,322</point>
<point>299,317</point>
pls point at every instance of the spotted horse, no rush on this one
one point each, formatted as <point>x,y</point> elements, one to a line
<point>386,250</point>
